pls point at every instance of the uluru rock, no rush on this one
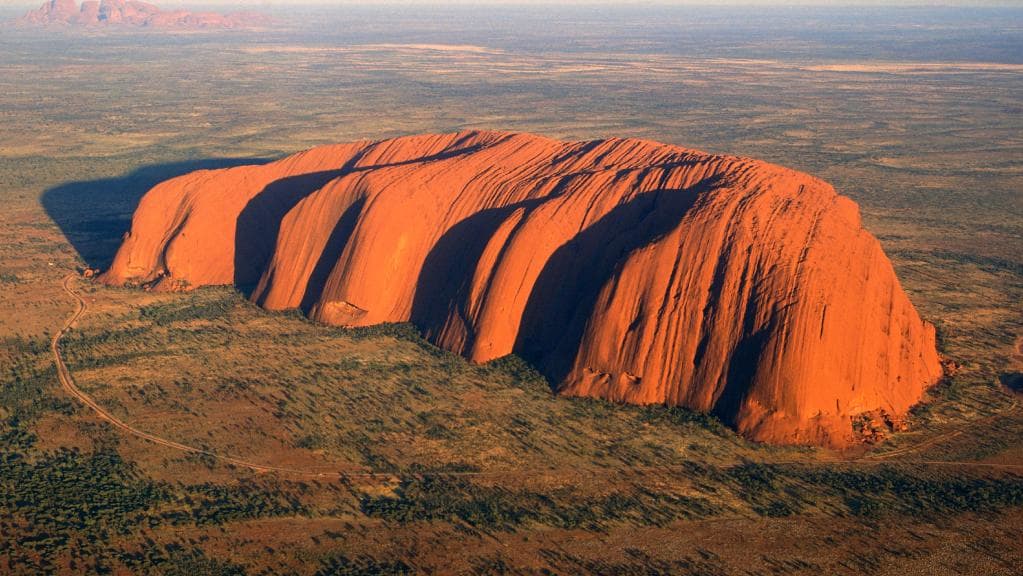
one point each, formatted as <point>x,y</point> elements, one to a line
<point>133,13</point>
<point>622,269</point>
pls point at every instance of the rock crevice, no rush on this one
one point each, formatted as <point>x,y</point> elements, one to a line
<point>622,269</point>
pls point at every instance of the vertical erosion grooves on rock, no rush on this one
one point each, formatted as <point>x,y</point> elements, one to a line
<point>623,269</point>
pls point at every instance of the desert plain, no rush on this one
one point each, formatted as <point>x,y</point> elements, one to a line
<point>376,452</point>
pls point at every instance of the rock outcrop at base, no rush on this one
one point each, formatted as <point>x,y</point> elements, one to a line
<point>133,13</point>
<point>622,269</point>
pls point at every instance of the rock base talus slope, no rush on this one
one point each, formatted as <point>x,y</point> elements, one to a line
<point>622,269</point>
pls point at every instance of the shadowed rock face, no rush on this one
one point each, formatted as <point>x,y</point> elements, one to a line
<point>622,269</point>
<point>132,13</point>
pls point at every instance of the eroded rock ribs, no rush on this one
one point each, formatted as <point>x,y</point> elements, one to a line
<point>623,269</point>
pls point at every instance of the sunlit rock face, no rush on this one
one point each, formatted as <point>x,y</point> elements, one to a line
<point>622,269</point>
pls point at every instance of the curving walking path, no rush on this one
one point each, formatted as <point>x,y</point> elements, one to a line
<point>67,382</point>
<point>948,436</point>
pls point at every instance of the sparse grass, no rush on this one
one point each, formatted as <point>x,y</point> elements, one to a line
<point>541,483</point>
<point>349,388</point>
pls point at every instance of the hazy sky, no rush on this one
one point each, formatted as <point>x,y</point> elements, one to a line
<point>255,4</point>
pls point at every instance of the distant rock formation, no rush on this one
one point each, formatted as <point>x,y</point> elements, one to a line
<point>623,269</point>
<point>133,13</point>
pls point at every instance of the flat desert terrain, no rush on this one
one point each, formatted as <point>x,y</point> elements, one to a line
<point>324,450</point>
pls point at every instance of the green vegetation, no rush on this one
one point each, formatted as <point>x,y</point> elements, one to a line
<point>350,390</point>
<point>66,504</point>
<point>770,490</point>
<point>9,278</point>
<point>193,307</point>
<point>481,469</point>
<point>181,562</point>
<point>342,565</point>
<point>495,508</point>
<point>69,504</point>
<point>783,490</point>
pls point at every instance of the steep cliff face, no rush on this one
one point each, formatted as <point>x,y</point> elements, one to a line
<point>132,13</point>
<point>622,269</point>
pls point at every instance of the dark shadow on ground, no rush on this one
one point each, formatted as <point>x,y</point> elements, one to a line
<point>94,214</point>
<point>1013,381</point>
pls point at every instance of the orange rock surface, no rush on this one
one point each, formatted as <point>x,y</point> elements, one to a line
<point>623,269</point>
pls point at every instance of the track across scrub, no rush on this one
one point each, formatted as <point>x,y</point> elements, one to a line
<point>1013,405</point>
<point>67,382</point>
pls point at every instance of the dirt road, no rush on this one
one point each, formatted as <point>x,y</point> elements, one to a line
<point>68,383</point>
